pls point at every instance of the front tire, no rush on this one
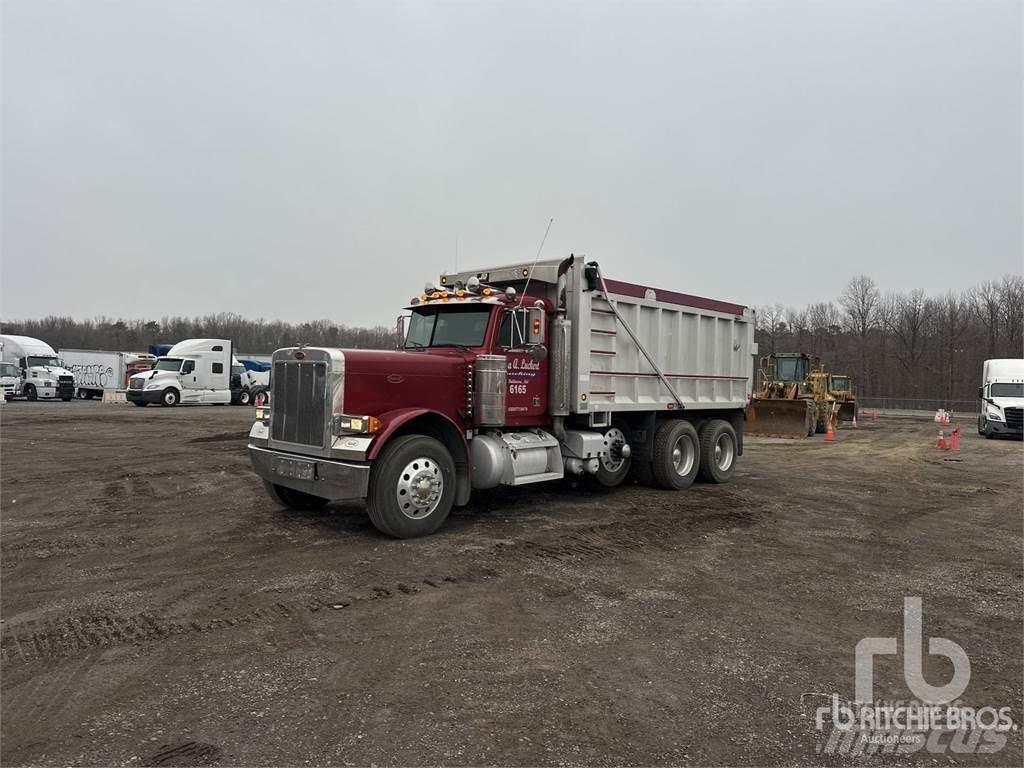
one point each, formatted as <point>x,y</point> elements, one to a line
<point>30,392</point>
<point>676,455</point>
<point>613,468</point>
<point>718,449</point>
<point>293,499</point>
<point>412,487</point>
<point>169,398</point>
<point>243,397</point>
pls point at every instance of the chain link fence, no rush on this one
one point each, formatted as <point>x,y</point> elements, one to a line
<point>963,407</point>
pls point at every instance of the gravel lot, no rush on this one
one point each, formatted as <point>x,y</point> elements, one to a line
<point>159,609</point>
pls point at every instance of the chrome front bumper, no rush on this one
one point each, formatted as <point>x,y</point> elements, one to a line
<point>333,480</point>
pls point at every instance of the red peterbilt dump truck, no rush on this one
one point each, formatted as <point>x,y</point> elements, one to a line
<point>507,376</point>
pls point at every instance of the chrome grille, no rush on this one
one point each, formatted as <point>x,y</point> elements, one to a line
<point>1014,418</point>
<point>299,403</point>
<point>65,379</point>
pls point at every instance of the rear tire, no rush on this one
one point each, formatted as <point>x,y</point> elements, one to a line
<point>718,451</point>
<point>412,487</point>
<point>676,455</point>
<point>243,397</point>
<point>293,499</point>
<point>83,394</point>
<point>169,398</point>
<point>612,469</point>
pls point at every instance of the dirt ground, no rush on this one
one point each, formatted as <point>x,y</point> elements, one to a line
<point>159,609</point>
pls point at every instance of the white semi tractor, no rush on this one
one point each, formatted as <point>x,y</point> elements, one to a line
<point>1001,395</point>
<point>40,373</point>
<point>192,371</point>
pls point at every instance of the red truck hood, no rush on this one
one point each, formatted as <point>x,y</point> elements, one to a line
<point>378,381</point>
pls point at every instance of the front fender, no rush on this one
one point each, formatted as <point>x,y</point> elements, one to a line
<point>393,421</point>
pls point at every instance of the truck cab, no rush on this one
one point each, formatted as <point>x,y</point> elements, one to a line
<point>41,374</point>
<point>9,380</point>
<point>193,371</point>
<point>1001,398</point>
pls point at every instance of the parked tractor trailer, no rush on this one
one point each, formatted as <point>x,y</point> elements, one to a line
<point>509,376</point>
<point>40,373</point>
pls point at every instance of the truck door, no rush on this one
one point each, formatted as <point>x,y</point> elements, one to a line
<point>526,401</point>
<point>191,383</point>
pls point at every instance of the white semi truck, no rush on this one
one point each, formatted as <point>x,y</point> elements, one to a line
<point>192,371</point>
<point>1001,398</point>
<point>97,370</point>
<point>40,373</point>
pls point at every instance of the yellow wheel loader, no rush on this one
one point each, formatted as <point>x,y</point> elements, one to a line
<point>793,399</point>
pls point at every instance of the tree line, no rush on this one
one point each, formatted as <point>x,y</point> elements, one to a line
<point>904,346</point>
<point>897,345</point>
<point>254,337</point>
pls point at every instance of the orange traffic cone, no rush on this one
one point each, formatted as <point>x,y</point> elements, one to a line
<point>830,436</point>
<point>941,442</point>
<point>854,420</point>
<point>955,438</point>
<point>874,414</point>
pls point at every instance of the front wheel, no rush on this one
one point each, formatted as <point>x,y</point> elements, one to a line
<point>293,499</point>
<point>412,487</point>
<point>169,398</point>
<point>30,392</point>
<point>717,451</point>
<point>676,455</point>
<point>243,397</point>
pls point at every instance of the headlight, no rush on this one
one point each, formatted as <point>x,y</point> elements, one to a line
<point>348,424</point>
<point>48,383</point>
<point>262,413</point>
<point>993,412</point>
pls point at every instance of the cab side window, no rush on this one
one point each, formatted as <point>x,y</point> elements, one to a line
<point>218,367</point>
<point>512,333</point>
<point>188,366</point>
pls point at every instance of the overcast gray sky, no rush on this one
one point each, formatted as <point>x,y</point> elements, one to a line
<point>320,160</point>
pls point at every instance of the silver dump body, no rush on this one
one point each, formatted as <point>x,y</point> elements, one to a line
<point>701,350</point>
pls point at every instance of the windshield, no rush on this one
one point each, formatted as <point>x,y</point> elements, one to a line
<point>841,383</point>
<point>168,364</point>
<point>1006,389</point>
<point>791,368</point>
<point>448,327</point>
<point>8,369</point>
<point>42,360</point>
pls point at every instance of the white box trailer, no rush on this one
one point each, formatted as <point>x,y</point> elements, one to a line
<point>509,376</point>
<point>96,370</point>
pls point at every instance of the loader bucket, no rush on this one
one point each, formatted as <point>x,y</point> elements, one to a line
<point>773,417</point>
<point>847,410</point>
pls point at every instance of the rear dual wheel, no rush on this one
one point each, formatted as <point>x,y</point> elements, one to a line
<point>680,454</point>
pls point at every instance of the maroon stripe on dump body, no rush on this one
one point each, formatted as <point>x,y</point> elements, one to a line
<point>671,297</point>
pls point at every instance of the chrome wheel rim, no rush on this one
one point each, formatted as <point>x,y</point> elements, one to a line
<point>682,455</point>
<point>419,488</point>
<point>614,440</point>
<point>725,451</point>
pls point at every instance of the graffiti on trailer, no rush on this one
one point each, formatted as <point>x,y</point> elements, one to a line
<point>96,375</point>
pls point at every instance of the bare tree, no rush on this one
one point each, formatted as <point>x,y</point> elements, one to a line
<point>860,301</point>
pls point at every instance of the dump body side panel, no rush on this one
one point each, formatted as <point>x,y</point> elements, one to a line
<point>703,347</point>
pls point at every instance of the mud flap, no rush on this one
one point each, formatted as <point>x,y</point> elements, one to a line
<point>772,417</point>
